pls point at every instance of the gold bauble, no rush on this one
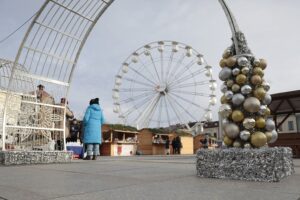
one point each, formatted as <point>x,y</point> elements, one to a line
<point>260,93</point>
<point>227,141</point>
<point>269,136</point>
<point>268,112</point>
<point>229,83</point>
<point>231,61</point>
<point>222,63</point>
<point>258,139</point>
<point>235,88</point>
<point>237,143</point>
<point>260,122</point>
<point>226,54</point>
<point>237,116</point>
<point>262,63</point>
<point>224,100</point>
<point>241,79</point>
<point>256,80</point>
<point>258,71</point>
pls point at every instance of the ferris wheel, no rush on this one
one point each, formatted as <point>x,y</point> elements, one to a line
<point>162,84</point>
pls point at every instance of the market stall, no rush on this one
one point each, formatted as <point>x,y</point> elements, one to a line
<point>118,143</point>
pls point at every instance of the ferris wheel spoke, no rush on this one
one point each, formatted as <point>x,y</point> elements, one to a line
<point>172,106</point>
<point>187,77</point>
<point>153,63</point>
<point>188,101</point>
<point>135,90</point>
<point>137,106</point>
<point>175,68</point>
<point>145,67</point>
<point>191,93</point>
<point>148,109</point>
<point>183,70</point>
<point>159,111</point>
<point>169,65</point>
<point>137,97</point>
<point>137,72</point>
<point>185,110</point>
<point>138,82</point>
<point>162,66</point>
<point>152,110</point>
<point>167,112</point>
<point>192,84</point>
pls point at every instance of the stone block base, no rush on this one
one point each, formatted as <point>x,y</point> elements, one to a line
<point>34,157</point>
<point>264,164</point>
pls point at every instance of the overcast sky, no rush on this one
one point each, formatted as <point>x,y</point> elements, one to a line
<point>271,28</point>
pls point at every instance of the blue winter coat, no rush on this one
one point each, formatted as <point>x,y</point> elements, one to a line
<point>93,120</point>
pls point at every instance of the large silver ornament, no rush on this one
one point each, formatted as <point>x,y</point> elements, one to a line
<point>246,89</point>
<point>224,88</point>
<point>270,125</point>
<point>228,94</point>
<point>274,136</point>
<point>256,62</point>
<point>238,99</point>
<point>235,71</point>
<point>249,123</point>
<point>225,73</point>
<point>232,130</point>
<point>243,61</point>
<point>266,86</point>
<point>263,110</point>
<point>252,104</point>
<point>225,110</point>
<point>267,100</point>
<point>245,135</point>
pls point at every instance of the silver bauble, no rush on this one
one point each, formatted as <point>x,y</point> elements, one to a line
<point>245,135</point>
<point>246,89</point>
<point>225,110</point>
<point>238,99</point>
<point>266,86</point>
<point>247,145</point>
<point>249,123</point>
<point>267,100</point>
<point>274,136</point>
<point>263,110</point>
<point>251,104</point>
<point>256,62</point>
<point>242,61</point>
<point>224,88</point>
<point>225,73</point>
<point>235,71</point>
<point>245,70</point>
<point>270,125</point>
<point>228,94</point>
<point>225,121</point>
<point>232,130</point>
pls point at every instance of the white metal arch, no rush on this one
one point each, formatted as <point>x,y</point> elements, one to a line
<point>51,48</point>
<point>49,53</point>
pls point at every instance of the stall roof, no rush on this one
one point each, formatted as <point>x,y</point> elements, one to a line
<point>122,131</point>
<point>285,103</point>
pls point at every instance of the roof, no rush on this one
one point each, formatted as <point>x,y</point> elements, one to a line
<point>285,103</point>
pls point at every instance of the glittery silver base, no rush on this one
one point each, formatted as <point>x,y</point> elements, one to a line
<point>264,164</point>
<point>34,157</point>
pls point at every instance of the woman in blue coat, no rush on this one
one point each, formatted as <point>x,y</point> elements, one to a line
<point>93,120</point>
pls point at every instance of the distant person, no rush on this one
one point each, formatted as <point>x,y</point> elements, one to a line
<point>167,146</point>
<point>174,146</point>
<point>178,145</point>
<point>93,120</point>
<point>69,116</point>
<point>74,130</point>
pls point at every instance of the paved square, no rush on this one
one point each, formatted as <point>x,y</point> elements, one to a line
<point>141,177</point>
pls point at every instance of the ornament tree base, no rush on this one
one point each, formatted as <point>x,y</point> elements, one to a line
<point>34,157</point>
<point>264,164</point>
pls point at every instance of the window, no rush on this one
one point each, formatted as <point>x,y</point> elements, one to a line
<point>290,125</point>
